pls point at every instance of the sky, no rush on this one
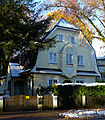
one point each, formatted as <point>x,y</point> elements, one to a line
<point>97,44</point>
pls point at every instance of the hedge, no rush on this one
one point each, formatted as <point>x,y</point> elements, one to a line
<point>78,90</point>
<point>71,96</point>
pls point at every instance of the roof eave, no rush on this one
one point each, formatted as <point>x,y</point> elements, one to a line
<point>86,74</point>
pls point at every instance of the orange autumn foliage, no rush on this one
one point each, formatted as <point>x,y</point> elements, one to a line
<point>84,14</point>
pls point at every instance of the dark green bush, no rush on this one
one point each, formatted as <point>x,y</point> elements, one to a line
<point>70,96</point>
<point>70,90</point>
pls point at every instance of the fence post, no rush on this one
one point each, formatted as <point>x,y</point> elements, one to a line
<point>1,103</point>
<point>83,100</point>
<point>55,101</point>
<point>40,101</point>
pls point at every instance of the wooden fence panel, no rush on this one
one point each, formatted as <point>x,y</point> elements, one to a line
<point>48,102</point>
<point>18,103</point>
<point>96,101</point>
<point>30,104</point>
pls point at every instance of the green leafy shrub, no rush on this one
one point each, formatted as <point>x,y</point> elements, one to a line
<point>70,96</point>
<point>70,90</point>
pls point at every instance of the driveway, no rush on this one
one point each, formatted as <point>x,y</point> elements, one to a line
<point>38,115</point>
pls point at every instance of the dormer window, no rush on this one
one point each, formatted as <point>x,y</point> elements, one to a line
<point>80,60</point>
<point>69,58</point>
<point>60,37</point>
<point>53,57</point>
<point>73,39</point>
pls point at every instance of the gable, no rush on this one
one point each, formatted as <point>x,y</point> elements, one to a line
<point>62,24</point>
<point>15,69</point>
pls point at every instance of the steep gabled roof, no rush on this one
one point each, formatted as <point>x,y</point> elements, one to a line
<point>15,69</point>
<point>61,23</point>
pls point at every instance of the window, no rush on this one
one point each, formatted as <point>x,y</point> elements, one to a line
<point>52,57</point>
<point>55,81</point>
<point>69,58</point>
<point>60,37</point>
<point>73,39</point>
<point>80,60</point>
<point>52,81</point>
<point>79,81</point>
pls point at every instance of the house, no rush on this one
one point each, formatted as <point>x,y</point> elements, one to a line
<point>72,59</point>
<point>18,84</point>
<point>101,67</point>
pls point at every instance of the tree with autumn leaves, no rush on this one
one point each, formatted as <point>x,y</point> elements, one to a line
<point>21,29</point>
<point>87,15</point>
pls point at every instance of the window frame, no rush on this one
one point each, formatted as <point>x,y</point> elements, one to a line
<point>80,60</point>
<point>69,56</point>
<point>79,81</point>
<point>73,42</point>
<point>60,37</point>
<point>53,81</point>
<point>52,59</point>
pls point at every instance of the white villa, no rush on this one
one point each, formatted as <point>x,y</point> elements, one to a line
<point>72,59</point>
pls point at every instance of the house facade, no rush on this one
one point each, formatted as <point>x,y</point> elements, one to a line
<point>101,67</point>
<point>72,59</point>
<point>18,84</point>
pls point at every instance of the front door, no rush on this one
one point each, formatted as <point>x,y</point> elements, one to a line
<point>19,88</point>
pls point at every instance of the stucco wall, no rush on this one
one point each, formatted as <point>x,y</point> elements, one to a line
<point>43,79</point>
<point>69,72</point>
<point>80,49</point>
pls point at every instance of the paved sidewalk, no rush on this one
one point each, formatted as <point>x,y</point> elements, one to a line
<point>32,115</point>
